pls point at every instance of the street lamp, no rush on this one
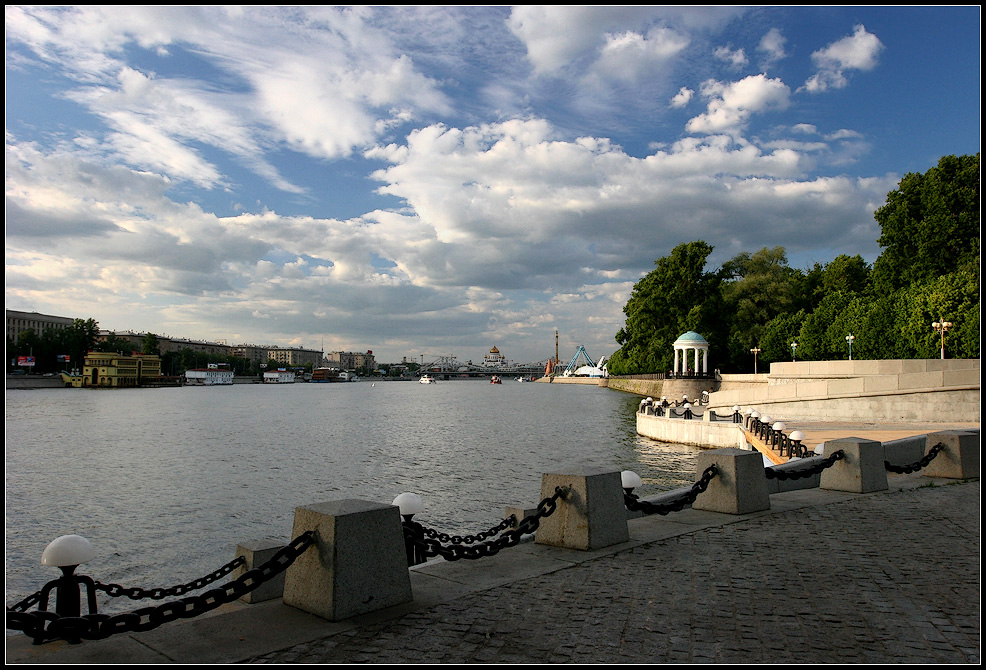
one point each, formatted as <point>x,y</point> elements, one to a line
<point>849,338</point>
<point>942,327</point>
<point>794,351</point>
<point>755,351</point>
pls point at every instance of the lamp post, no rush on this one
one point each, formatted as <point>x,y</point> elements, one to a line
<point>942,326</point>
<point>849,338</point>
<point>794,351</point>
<point>755,351</point>
<point>410,504</point>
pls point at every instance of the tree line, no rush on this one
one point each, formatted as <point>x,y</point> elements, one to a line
<point>927,271</point>
<point>64,349</point>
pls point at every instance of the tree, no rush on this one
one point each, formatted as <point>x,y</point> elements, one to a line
<point>151,345</point>
<point>762,286</point>
<point>929,224</point>
<point>80,338</point>
<point>677,296</point>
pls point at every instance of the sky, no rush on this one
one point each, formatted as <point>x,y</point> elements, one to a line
<point>435,181</point>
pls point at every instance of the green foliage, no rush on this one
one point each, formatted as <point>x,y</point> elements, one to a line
<point>928,271</point>
<point>151,345</point>
<point>778,335</point>
<point>763,287</point>
<point>930,224</point>
<point>677,296</point>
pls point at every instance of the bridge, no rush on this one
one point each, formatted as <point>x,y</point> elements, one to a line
<point>447,367</point>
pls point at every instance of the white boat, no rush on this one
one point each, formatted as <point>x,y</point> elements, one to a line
<point>279,377</point>
<point>427,379</point>
<point>211,376</point>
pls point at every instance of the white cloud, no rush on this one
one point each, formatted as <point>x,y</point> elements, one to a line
<point>682,97</point>
<point>630,55</point>
<point>771,46</point>
<point>325,85</point>
<point>858,51</point>
<point>735,58</point>
<point>731,105</point>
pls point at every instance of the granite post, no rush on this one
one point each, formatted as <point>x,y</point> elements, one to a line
<point>960,457</point>
<point>256,554</point>
<point>358,563</point>
<point>740,485</point>
<point>863,470</point>
<point>591,516</point>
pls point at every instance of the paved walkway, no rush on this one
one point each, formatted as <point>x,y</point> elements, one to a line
<point>822,577</point>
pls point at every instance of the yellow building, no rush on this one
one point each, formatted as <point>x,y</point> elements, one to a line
<point>112,370</point>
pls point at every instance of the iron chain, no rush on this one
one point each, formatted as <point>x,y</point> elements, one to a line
<point>914,467</point>
<point>414,533</point>
<point>135,593</point>
<point>44,626</point>
<point>509,522</point>
<point>636,505</point>
<point>828,462</point>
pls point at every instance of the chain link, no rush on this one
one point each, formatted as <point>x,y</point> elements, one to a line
<point>914,467</point>
<point>828,462</point>
<point>44,626</point>
<point>636,505</point>
<point>135,593</point>
<point>428,547</point>
<point>509,522</point>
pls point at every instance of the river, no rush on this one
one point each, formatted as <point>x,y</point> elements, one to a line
<point>166,482</point>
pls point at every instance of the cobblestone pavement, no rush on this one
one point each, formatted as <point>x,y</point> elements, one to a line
<point>884,578</point>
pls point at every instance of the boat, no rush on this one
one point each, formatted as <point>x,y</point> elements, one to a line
<point>427,379</point>
<point>279,377</point>
<point>328,375</point>
<point>214,375</point>
<point>495,379</point>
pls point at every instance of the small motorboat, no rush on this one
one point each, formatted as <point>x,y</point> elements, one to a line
<point>495,379</point>
<point>427,379</point>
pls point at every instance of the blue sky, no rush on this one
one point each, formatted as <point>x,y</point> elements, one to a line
<point>438,180</point>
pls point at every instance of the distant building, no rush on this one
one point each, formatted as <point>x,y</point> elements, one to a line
<point>167,345</point>
<point>295,357</point>
<point>255,353</point>
<point>494,359</point>
<point>18,322</point>
<point>347,360</point>
<point>111,370</point>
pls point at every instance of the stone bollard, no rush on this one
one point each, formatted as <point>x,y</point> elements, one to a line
<point>592,516</point>
<point>256,554</point>
<point>960,457</point>
<point>358,563</point>
<point>861,471</point>
<point>740,485</point>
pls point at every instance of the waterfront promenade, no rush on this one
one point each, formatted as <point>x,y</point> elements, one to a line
<point>822,577</point>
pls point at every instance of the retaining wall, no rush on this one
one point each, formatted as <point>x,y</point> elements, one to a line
<point>704,433</point>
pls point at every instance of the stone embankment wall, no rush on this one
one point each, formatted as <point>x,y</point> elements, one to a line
<point>927,390</point>
<point>897,390</point>
<point>673,389</point>
<point>700,433</point>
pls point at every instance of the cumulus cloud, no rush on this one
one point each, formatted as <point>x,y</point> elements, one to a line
<point>731,105</point>
<point>682,97</point>
<point>501,212</point>
<point>734,57</point>
<point>771,47</point>
<point>859,51</point>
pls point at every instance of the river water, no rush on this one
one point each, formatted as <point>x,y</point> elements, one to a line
<point>166,482</point>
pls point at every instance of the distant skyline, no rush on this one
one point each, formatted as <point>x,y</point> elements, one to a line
<point>439,180</point>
